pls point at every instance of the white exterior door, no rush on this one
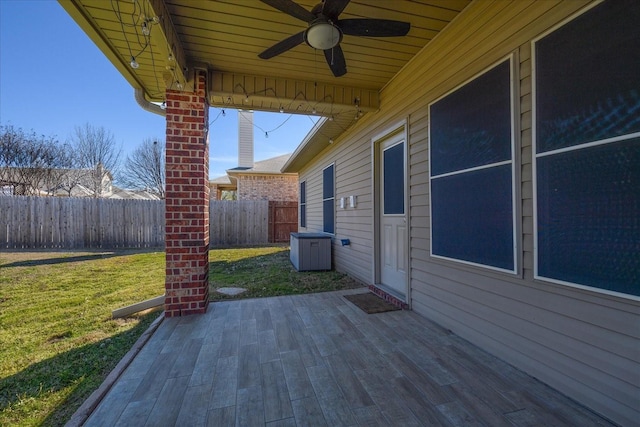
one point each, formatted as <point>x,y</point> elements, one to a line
<point>393,219</point>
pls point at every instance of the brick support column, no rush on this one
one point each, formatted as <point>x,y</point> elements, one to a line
<point>187,201</point>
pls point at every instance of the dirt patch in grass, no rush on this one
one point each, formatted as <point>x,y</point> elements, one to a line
<point>59,337</point>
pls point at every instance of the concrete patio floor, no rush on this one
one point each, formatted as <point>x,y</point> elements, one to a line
<point>314,360</point>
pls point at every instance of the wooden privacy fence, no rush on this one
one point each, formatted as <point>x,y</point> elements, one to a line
<point>283,219</point>
<point>76,223</point>
<point>239,222</point>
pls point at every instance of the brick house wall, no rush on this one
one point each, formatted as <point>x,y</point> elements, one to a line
<point>268,187</point>
<point>215,192</point>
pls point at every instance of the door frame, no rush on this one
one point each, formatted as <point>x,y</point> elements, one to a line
<point>398,129</point>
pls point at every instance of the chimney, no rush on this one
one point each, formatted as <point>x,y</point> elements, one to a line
<point>245,139</point>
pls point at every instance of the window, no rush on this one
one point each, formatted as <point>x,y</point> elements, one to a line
<point>587,150</point>
<point>393,185</point>
<point>303,204</point>
<point>472,170</point>
<point>328,200</point>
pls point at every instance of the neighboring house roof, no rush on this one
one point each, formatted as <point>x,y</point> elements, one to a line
<point>115,193</point>
<point>269,166</point>
<point>80,176</point>
<point>77,191</point>
<point>121,193</point>
<point>82,185</point>
<point>56,181</point>
<point>221,180</point>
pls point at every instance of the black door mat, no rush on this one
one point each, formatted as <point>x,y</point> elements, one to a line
<point>371,303</point>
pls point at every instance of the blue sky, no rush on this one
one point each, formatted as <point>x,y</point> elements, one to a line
<point>53,78</point>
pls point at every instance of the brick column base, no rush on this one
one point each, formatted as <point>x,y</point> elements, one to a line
<point>187,201</point>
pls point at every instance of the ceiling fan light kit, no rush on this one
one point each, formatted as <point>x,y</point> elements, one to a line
<point>325,30</point>
<point>323,35</point>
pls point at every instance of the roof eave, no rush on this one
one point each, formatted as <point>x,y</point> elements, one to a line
<point>294,164</point>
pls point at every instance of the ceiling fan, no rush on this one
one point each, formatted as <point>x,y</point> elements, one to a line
<point>325,30</point>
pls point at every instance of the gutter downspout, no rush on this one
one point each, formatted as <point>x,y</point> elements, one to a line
<point>146,105</point>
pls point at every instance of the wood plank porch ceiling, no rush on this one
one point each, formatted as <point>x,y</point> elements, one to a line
<point>225,37</point>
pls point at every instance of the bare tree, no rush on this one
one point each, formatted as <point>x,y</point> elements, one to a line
<point>62,173</point>
<point>96,151</point>
<point>145,168</point>
<point>11,145</point>
<point>72,178</point>
<point>30,163</point>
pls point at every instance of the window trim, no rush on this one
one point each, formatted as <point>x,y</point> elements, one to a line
<point>333,199</point>
<point>535,156</point>
<point>514,161</point>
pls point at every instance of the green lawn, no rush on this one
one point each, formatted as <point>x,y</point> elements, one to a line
<point>267,272</point>
<point>57,339</point>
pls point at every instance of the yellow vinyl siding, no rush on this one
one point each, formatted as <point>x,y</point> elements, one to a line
<point>352,177</point>
<point>576,344</point>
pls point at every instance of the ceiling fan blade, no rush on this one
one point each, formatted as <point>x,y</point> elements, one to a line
<point>373,27</point>
<point>283,46</point>
<point>336,61</point>
<point>333,8</point>
<point>291,8</point>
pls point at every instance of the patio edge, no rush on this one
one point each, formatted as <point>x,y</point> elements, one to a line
<point>86,409</point>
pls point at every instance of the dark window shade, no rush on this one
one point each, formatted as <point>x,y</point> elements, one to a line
<point>472,210</point>
<point>472,217</point>
<point>327,183</point>
<point>588,77</point>
<point>589,216</point>
<point>393,190</point>
<point>303,204</point>
<point>327,216</point>
<point>328,196</point>
<point>588,198</point>
<point>472,126</point>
